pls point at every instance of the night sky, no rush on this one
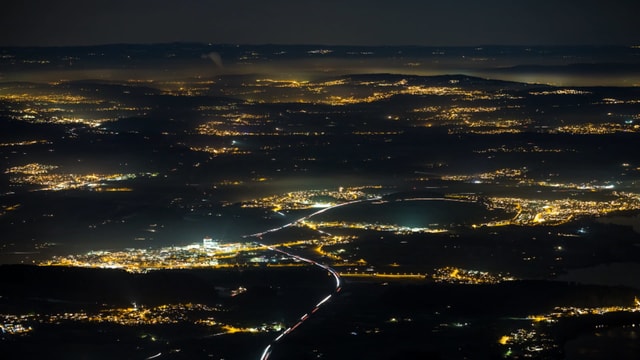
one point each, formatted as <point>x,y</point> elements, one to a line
<point>333,22</point>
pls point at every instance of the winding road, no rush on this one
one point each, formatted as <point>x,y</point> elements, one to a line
<point>303,318</point>
<point>338,286</point>
<point>260,234</point>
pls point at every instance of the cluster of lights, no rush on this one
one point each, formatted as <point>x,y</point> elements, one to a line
<point>527,342</point>
<point>463,276</point>
<point>358,92</point>
<point>54,106</point>
<point>449,274</point>
<point>144,260</point>
<point>490,131</point>
<point>522,149</point>
<point>560,92</point>
<point>556,212</point>
<point>209,254</point>
<point>232,150</point>
<point>41,175</point>
<point>572,311</point>
<point>307,199</point>
<point>505,173</point>
<point>371,226</point>
<point>597,129</point>
<point>197,314</point>
<point>24,143</point>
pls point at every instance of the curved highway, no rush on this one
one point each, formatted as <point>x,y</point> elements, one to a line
<point>303,318</point>
<point>338,286</point>
<point>260,234</point>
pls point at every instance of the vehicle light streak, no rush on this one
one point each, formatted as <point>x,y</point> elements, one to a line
<point>334,273</point>
<point>266,352</point>
<point>323,300</point>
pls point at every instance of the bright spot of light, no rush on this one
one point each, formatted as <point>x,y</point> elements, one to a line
<point>321,205</point>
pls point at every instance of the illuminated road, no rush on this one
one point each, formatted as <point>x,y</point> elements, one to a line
<point>303,318</point>
<point>338,286</point>
<point>437,199</point>
<point>260,234</point>
<point>267,351</point>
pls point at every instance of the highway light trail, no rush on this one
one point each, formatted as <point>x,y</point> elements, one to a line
<point>266,352</point>
<point>260,234</point>
<point>303,318</point>
<point>338,286</point>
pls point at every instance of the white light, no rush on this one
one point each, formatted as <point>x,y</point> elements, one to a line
<point>321,205</point>
<point>265,353</point>
<point>324,300</point>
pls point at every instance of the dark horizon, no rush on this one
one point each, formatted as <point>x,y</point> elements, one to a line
<point>488,45</point>
<point>402,23</point>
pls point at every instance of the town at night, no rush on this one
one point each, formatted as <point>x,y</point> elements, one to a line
<point>165,197</point>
